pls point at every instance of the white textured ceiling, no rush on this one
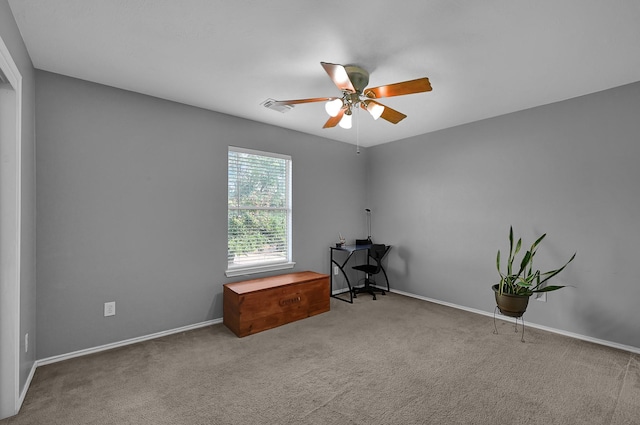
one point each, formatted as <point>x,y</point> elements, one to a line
<point>484,58</point>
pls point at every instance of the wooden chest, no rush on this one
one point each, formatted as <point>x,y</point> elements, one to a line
<point>256,305</point>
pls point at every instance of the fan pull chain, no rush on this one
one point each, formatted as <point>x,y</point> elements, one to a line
<point>358,131</point>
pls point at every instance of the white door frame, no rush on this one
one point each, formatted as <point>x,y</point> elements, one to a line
<point>10,230</point>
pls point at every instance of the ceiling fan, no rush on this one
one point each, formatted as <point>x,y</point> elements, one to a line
<point>352,80</point>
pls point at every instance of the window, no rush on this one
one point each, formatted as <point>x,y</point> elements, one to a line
<point>259,212</point>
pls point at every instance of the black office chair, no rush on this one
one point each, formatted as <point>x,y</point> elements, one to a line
<point>377,253</point>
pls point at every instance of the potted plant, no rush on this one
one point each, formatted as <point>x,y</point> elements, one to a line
<point>516,286</point>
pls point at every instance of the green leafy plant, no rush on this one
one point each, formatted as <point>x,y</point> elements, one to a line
<point>526,281</point>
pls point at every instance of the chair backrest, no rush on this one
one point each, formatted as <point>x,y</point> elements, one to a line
<point>377,252</point>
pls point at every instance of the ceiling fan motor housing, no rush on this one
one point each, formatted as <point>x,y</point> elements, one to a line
<point>358,76</point>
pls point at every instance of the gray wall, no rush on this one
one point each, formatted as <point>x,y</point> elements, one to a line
<point>131,201</point>
<point>12,39</point>
<point>132,209</point>
<point>570,169</point>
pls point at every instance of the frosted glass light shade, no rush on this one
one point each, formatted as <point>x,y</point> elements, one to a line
<point>333,107</point>
<point>345,122</point>
<point>375,109</point>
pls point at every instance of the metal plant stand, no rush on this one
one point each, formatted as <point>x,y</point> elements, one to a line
<point>495,327</point>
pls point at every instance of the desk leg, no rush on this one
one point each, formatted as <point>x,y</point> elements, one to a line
<point>383,270</point>
<point>385,277</point>
<point>341,267</point>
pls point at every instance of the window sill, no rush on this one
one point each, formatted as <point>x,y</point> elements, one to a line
<point>241,271</point>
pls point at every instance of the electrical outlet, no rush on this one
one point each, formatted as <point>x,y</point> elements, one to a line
<point>541,296</point>
<point>335,270</point>
<point>26,342</point>
<point>110,309</point>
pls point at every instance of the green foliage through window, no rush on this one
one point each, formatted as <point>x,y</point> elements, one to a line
<point>259,204</point>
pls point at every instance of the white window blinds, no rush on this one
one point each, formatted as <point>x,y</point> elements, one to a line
<point>259,211</point>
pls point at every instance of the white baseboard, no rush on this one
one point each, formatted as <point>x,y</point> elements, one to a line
<point>55,359</point>
<point>61,357</point>
<point>79,353</point>
<point>27,384</point>
<point>611,344</point>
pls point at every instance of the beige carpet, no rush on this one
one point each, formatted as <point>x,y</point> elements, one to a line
<point>396,360</point>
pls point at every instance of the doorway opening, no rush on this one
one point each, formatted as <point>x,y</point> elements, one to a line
<point>10,190</point>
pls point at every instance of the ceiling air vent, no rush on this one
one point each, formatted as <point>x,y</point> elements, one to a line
<point>271,104</point>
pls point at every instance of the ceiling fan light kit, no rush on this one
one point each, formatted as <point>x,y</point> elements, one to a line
<point>375,109</point>
<point>352,81</point>
<point>333,107</point>
<point>345,122</point>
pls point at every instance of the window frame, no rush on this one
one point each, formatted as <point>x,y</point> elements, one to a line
<point>264,266</point>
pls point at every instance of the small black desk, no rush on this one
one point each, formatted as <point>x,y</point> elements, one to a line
<point>350,249</point>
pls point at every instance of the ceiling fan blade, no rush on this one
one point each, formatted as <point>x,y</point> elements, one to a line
<point>339,76</point>
<point>333,121</point>
<point>393,116</point>
<point>407,87</point>
<point>389,114</point>
<point>298,101</point>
